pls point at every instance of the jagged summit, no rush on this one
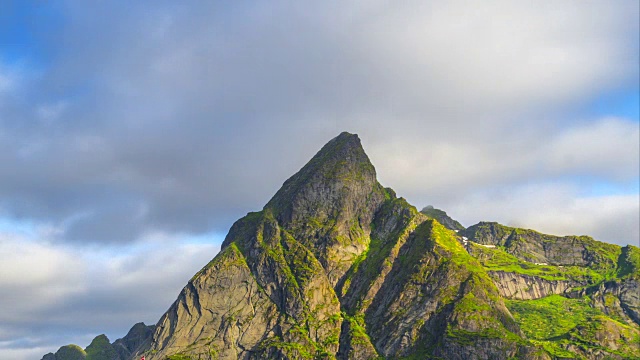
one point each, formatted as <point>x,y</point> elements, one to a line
<point>330,203</point>
<point>339,157</point>
<point>442,218</point>
<point>340,172</point>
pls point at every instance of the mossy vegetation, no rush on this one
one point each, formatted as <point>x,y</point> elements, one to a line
<point>357,329</point>
<point>229,256</point>
<point>382,250</point>
<point>101,349</point>
<point>179,357</point>
<point>550,317</point>
<point>299,276</point>
<point>497,259</point>
<point>629,262</point>
<point>432,267</point>
<point>535,247</point>
<point>297,347</point>
<point>559,324</point>
<point>346,284</point>
<point>471,299</point>
<point>552,323</point>
<point>70,352</point>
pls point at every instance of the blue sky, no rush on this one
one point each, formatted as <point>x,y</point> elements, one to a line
<point>619,102</point>
<point>132,136</point>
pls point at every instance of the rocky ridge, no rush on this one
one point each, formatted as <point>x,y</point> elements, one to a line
<point>101,349</point>
<point>442,217</point>
<point>335,266</point>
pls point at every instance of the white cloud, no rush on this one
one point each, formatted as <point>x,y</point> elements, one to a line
<point>23,353</point>
<point>606,149</point>
<point>83,292</point>
<point>557,208</point>
<point>33,276</point>
<point>499,53</point>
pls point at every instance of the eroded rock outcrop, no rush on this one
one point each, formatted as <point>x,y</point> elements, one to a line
<point>617,298</point>
<point>526,287</point>
<point>328,206</point>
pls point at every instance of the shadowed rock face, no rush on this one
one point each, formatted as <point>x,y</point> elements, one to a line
<point>138,336</point>
<point>328,206</point>
<point>617,298</point>
<point>337,267</point>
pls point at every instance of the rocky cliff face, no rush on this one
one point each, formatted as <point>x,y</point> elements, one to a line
<point>222,313</point>
<point>137,337</point>
<point>532,246</point>
<point>602,278</point>
<point>328,206</point>
<point>617,298</point>
<point>337,267</point>
<point>527,287</point>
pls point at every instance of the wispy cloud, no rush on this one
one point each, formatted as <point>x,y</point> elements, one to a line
<point>553,208</point>
<point>58,295</point>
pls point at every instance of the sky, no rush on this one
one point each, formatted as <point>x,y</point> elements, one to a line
<point>133,134</point>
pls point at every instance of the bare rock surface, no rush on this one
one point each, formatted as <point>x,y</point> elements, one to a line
<point>526,287</point>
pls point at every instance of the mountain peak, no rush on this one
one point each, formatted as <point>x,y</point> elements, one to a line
<point>329,204</point>
<point>340,169</point>
<point>442,217</point>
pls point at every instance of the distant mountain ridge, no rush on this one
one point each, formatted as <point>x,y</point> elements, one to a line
<point>335,266</point>
<point>442,217</point>
<point>101,349</point>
